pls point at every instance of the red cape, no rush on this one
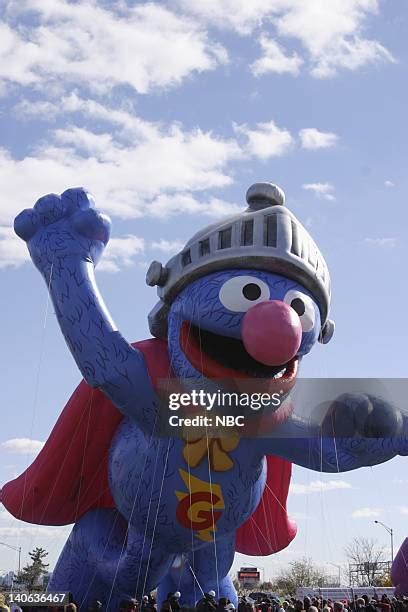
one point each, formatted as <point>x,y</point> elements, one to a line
<point>70,474</point>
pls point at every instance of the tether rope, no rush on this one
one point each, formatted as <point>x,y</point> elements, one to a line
<point>167,387</point>
<point>148,517</point>
<point>210,476</point>
<point>190,497</point>
<point>157,514</point>
<point>36,393</point>
<point>195,578</point>
<point>128,521</point>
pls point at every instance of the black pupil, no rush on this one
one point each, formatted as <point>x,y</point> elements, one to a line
<point>252,291</point>
<point>298,305</point>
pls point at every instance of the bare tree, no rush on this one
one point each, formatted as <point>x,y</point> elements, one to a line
<point>365,557</point>
<point>266,587</point>
<point>299,573</point>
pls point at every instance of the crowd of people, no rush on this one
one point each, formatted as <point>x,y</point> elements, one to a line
<point>209,603</point>
<point>318,604</point>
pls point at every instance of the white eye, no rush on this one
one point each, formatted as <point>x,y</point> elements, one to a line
<point>241,292</point>
<point>303,305</point>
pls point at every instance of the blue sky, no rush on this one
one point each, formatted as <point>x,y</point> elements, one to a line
<point>167,112</point>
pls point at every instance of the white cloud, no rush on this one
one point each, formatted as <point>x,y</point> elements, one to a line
<point>321,190</point>
<point>275,60</point>
<point>144,46</point>
<point>367,512</point>
<point>381,242</point>
<point>166,205</point>
<point>132,166</point>
<point>317,486</point>
<point>389,184</point>
<point>215,207</point>
<point>22,446</point>
<point>403,509</point>
<point>167,246</point>
<point>330,33</point>
<point>350,54</point>
<point>311,138</point>
<point>154,170</point>
<point>131,126</point>
<point>13,252</point>
<point>159,156</point>
<point>86,142</point>
<point>43,109</point>
<point>239,15</point>
<point>267,140</point>
<point>120,252</point>
<point>16,57</point>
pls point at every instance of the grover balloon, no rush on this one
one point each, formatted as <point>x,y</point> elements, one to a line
<point>247,298</point>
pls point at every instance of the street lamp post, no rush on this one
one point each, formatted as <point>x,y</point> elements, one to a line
<point>17,549</point>
<point>391,533</point>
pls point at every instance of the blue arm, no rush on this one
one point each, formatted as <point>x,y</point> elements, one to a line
<point>327,448</point>
<point>66,237</point>
<point>335,454</point>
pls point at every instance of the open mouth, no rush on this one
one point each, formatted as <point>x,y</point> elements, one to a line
<point>217,356</point>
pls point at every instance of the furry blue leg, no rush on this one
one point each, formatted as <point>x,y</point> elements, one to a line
<point>204,564</point>
<point>101,560</point>
<point>95,540</point>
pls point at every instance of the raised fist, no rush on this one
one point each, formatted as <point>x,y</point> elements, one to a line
<point>364,416</point>
<point>63,228</point>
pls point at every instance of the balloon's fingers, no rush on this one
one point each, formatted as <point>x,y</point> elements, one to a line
<point>76,199</point>
<point>49,209</point>
<point>26,224</point>
<point>92,224</point>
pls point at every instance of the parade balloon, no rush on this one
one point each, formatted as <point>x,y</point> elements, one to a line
<point>152,505</point>
<point>399,570</point>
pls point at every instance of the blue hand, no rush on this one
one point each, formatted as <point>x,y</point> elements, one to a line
<point>358,430</point>
<point>60,227</point>
<point>363,415</point>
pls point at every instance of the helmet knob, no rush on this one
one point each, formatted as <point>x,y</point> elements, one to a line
<point>262,195</point>
<point>156,274</point>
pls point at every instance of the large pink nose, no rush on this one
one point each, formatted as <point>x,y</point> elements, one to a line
<point>271,332</point>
